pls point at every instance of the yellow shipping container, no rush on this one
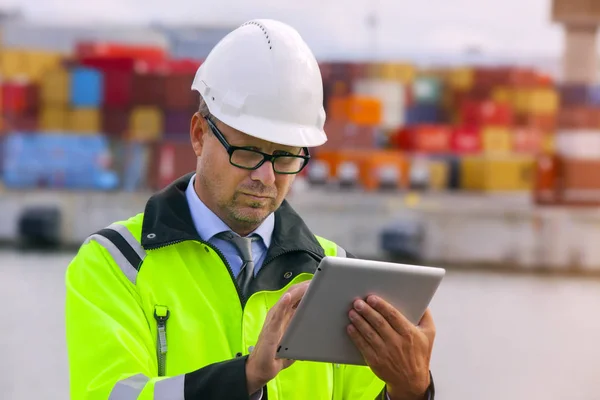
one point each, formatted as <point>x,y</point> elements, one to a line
<point>146,123</point>
<point>522,100</point>
<point>497,173</point>
<point>84,120</point>
<point>55,87</point>
<point>40,62</point>
<point>400,72</point>
<point>53,118</point>
<point>543,101</point>
<point>496,140</point>
<point>503,94</point>
<point>438,175</point>
<point>461,79</point>
<point>13,64</point>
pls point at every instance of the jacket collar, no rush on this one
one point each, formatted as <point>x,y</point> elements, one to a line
<point>167,220</point>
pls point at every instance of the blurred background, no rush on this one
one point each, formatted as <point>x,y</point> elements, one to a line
<point>462,134</point>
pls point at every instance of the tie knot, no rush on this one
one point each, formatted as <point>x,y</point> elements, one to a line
<point>242,244</point>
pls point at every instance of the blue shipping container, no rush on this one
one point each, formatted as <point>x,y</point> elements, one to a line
<point>86,87</point>
<point>57,161</point>
<point>424,114</point>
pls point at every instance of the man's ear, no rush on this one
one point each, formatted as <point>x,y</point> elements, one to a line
<point>198,126</point>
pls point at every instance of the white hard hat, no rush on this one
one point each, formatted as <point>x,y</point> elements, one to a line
<point>263,80</point>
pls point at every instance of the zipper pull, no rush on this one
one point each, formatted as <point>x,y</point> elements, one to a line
<point>161,314</point>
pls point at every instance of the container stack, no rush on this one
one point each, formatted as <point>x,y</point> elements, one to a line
<point>571,176</point>
<point>135,97</point>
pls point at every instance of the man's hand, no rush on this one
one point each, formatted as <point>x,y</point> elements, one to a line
<point>397,351</point>
<point>262,366</point>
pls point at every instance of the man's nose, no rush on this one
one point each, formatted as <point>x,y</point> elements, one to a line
<point>264,174</point>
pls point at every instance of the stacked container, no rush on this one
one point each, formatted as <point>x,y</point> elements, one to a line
<point>571,176</point>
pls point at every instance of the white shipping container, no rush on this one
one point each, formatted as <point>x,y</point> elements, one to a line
<point>578,144</point>
<point>392,95</point>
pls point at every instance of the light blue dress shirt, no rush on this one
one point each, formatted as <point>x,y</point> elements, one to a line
<point>208,224</point>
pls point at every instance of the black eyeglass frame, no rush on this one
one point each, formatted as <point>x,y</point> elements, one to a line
<point>265,156</point>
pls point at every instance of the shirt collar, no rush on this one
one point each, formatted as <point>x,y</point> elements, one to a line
<point>208,224</point>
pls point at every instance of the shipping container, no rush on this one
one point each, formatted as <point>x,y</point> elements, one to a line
<point>486,113</point>
<point>18,97</point>
<point>364,110</point>
<point>177,122</point>
<point>427,90</point>
<point>178,95</point>
<point>401,72</point>
<point>544,123</point>
<point>527,140</point>
<point>55,88</point>
<point>149,89</point>
<point>543,101</point>
<point>573,95</point>
<point>496,140</point>
<point>424,114</point>
<point>439,175</point>
<point>115,122</point>
<point>62,161</point>
<point>86,88</point>
<point>579,178</point>
<point>466,140</point>
<point>581,144</point>
<point>578,117</point>
<point>171,159</point>
<point>39,62</point>
<point>13,64</point>
<point>107,49</point>
<point>461,79</point>
<point>545,190</point>
<point>85,121</point>
<point>424,138</point>
<point>497,173</point>
<point>146,124</point>
<point>53,118</point>
<point>21,122</point>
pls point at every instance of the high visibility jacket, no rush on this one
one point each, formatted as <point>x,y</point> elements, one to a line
<point>153,312</point>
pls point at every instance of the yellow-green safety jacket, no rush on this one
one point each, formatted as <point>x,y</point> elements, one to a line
<point>154,312</point>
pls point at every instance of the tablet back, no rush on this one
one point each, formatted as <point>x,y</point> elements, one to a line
<point>317,331</point>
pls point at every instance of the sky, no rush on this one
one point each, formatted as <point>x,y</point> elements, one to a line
<point>516,27</point>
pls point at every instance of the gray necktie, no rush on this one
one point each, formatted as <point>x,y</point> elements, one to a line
<point>244,248</point>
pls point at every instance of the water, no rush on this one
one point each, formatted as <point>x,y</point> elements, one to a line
<point>499,336</point>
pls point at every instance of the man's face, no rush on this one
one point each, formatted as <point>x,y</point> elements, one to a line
<point>242,198</point>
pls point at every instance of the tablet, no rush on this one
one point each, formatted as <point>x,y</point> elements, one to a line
<point>317,331</point>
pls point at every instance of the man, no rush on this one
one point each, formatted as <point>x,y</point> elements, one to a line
<point>189,299</point>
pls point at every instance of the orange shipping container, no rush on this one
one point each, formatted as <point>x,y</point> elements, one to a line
<point>545,181</point>
<point>338,108</point>
<point>364,110</point>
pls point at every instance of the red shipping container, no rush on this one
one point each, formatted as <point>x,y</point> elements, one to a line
<point>19,97</point>
<point>186,66</point>
<point>428,138</point>
<point>115,122</point>
<point>546,180</point>
<point>466,140</point>
<point>578,118</point>
<point>108,49</point>
<point>21,122</point>
<point>527,140</point>
<point>172,159</point>
<point>178,95</point>
<point>149,83</point>
<point>486,113</point>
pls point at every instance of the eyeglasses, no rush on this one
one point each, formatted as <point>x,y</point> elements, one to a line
<point>245,158</point>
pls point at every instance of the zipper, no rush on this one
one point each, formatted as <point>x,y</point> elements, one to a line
<point>161,314</point>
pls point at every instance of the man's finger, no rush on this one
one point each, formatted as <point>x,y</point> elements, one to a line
<point>360,342</point>
<point>426,325</point>
<point>394,317</point>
